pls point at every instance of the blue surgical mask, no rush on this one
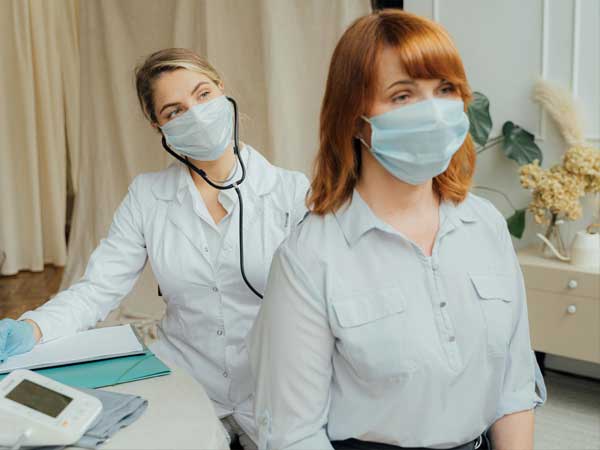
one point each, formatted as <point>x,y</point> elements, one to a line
<point>203,132</point>
<point>415,143</point>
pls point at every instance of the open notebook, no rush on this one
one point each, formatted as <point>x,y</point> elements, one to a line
<point>91,345</point>
<point>92,359</point>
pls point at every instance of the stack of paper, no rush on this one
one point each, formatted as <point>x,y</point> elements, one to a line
<point>92,345</point>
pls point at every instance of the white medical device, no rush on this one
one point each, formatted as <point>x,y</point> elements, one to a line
<point>36,411</point>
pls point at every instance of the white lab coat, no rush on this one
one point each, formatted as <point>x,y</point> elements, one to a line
<point>209,309</point>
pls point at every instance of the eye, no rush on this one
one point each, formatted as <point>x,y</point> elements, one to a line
<point>401,98</point>
<point>448,88</point>
<point>203,95</point>
<point>173,113</point>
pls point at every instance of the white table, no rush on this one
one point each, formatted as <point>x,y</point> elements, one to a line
<point>179,416</point>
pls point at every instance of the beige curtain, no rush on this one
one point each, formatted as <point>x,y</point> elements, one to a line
<point>298,40</point>
<point>39,73</point>
<point>273,55</point>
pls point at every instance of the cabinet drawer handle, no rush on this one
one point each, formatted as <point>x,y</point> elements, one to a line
<point>572,284</point>
<point>572,309</point>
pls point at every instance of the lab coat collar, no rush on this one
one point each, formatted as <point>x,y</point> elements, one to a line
<point>260,177</point>
<point>356,218</point>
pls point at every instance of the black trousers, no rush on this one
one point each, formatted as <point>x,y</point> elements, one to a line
<point>356,444</point>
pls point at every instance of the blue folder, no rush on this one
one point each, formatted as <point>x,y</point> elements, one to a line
<point>107,372</point>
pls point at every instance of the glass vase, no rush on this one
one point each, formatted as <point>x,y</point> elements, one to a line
<point>554,235</point>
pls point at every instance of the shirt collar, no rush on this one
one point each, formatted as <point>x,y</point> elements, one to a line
<point>459,213</point>
<point>261,177</point>
<point>356,217</point>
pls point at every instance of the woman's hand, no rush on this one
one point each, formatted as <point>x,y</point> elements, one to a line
<point>17,337</point>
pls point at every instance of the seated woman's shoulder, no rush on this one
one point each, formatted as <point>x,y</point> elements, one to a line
<point>161,184</point>
<point>281,177</point>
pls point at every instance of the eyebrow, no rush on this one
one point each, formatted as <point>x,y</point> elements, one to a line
<point>177,103</point>
<point>409,82</point>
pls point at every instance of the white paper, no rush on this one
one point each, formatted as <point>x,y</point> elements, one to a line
<point>91,345</point>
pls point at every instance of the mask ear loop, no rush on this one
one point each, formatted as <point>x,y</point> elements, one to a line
<point>359,137</point>
<point>235,185</point>
<point>362,141</point>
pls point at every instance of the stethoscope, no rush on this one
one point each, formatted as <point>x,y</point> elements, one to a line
<point>233,185</point>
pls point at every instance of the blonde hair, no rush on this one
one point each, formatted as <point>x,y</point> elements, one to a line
<point>167,60</point>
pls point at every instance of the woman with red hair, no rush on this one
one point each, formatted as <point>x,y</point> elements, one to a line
<point>395,316</point>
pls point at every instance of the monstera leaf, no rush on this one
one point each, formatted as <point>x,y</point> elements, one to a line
<point>516,223</point>
<point>519,144</point>
<point>479,118</point>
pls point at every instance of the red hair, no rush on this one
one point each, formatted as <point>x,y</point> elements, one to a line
<point>425,51</point>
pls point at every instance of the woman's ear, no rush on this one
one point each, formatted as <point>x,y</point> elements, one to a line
<point>362,131</point>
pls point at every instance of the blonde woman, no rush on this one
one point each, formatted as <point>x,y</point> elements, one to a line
<point>189,229</point>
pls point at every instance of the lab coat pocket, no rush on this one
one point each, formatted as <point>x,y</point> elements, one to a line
<point>495,298</point>
<point>371,334</point>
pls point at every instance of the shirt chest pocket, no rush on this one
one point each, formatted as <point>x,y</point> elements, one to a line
<point>371,334</point>
<point>495,297</point>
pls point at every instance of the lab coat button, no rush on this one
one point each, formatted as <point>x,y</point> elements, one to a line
<point>435,266</point>
<point>443,304</point>
<point>220,332</point>
<point>451,338</point>
<point>206,249</point>
<point>215,289</point>
<point>225,374</point>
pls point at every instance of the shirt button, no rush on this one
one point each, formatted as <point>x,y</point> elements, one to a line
<point>220,332</point>
<point>225,374</point>
<point>452,338</point>
<point>215,289</point>
<point>435,266</point>
<point>443,304</point>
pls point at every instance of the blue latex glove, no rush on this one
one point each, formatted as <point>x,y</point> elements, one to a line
<point>16,337</point>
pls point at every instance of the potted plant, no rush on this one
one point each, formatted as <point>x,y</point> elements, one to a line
<point>517,144</point>
<point>556,192</point>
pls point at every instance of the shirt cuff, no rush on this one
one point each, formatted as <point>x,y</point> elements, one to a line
<point>530,397</point>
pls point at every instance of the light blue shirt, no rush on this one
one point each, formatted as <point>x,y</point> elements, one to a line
<point>361,335</point>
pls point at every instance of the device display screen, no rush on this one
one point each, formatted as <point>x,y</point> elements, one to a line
<point>39,398</point>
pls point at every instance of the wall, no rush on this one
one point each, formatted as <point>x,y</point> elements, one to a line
<point>506,46</point>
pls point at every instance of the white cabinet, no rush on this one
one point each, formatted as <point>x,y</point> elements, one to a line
<point>564,306</point>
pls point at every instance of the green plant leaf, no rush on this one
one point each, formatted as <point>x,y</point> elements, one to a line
<point>516,223</point>
<point>519,144</point>
<point>479,118</point>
